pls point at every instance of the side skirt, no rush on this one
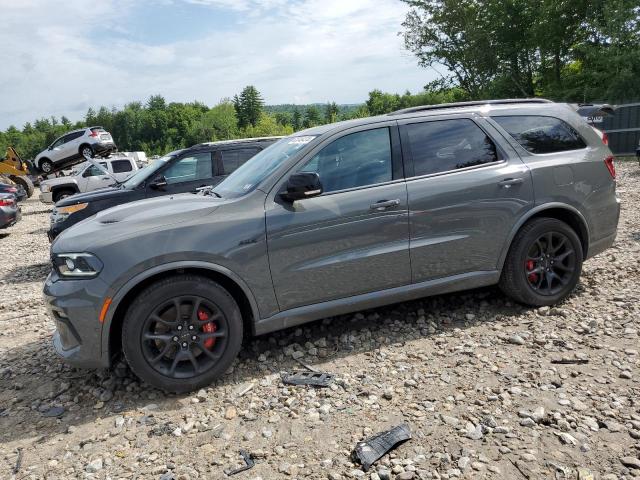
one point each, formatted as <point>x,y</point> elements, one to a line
<point>308,313</point>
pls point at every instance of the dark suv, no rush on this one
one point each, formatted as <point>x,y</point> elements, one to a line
<point>177,172</point>
<point>335,219</point>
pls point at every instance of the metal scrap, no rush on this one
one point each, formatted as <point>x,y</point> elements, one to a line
<point>249,463</point>
<point>368,451</point>
<point>316,379</point>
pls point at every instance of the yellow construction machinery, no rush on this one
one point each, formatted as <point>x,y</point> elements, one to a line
<point>16,170</point>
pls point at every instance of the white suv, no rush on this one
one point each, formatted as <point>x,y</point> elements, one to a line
<point>72,147</point>
<point>86,178</point>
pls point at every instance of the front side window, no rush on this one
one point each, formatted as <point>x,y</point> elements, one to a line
<point>121,166</point>
<point>58,142</point>
<point>539,134</point>
<point>190,168</point>
<point>232,159</point>
<point>355,160</point>
<point>446,145</point>
<point>94,171</point>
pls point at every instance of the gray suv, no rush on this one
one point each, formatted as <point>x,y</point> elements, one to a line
<point>331,220</point>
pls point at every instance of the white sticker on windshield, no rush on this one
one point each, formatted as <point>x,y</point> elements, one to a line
<point>300,140</point>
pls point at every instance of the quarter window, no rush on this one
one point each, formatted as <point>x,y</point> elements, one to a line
<point>232,159</point>
<point>446,145</point>
<point>355,160</point>
<point>189,169</point>
<point>539,134</point>
<point>121,166</point>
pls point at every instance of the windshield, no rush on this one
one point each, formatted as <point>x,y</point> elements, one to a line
<point>246,178</point>
<point>141,175</point>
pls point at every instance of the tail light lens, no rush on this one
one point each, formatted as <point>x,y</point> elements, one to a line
<point>605,138</point>
<point>93,134</point>
<point>7,202</point>
<point>611,166</point>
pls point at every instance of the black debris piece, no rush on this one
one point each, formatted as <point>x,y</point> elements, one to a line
<point>54,412</point>
<point>317,379</point>
<point>373,448</point>
<point>570,361</point>
<point>18,464</point>
<point>248,460</point>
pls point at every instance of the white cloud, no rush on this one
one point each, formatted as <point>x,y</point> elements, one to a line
<point>293,51</point>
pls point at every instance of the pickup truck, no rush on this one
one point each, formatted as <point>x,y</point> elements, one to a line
<point>86,178</point>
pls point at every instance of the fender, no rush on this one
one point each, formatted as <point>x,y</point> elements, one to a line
<point>531,213</point>
<point>165,267</point>
<point>66,186</point>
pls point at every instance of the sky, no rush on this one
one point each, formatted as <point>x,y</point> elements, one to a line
<point>60,57</point>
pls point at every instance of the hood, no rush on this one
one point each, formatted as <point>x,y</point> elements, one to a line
<point>93,196</point>
<point>131,219</point>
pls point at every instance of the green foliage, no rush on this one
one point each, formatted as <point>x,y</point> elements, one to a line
<point>248,105</point>
<point>573,50</point>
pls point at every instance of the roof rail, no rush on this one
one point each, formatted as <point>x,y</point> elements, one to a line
<point>476,103</point>
<point>241,140</point>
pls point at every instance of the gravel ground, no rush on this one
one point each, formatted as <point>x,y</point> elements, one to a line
<point>472,374</point>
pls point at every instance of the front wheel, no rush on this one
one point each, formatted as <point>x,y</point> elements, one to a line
<point>46,166</point>
<point>182,333</point>
<point>544,263</point>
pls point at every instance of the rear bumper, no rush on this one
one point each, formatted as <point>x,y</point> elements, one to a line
<point>75,307</point>
<point>103,147</point>
<point>9,217</point>
<point>602,244</point>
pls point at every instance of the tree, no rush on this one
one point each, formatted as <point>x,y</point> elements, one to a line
<point>296,119</point>
<point>248,105</point>
<point>331,112</point>
<point>311,117</point>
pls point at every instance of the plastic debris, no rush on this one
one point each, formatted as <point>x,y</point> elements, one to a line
<point>316,379</point>
<point>249,463</point>
<point>373,448</point>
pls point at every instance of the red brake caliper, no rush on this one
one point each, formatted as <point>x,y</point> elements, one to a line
<point>207,328</point>
<point>530,265</point>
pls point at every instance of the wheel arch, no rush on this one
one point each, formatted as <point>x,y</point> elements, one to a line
<point>111,340</point>
<point>65,186</point>
<point>560,211</point>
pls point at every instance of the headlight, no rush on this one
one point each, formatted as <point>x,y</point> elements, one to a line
<point>44,188</point>
<point>77,265</point>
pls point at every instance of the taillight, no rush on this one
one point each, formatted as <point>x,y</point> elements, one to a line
<point>93,134</point>
<point>605,138</point>
<point>611,166</point>
<point>7,202</point>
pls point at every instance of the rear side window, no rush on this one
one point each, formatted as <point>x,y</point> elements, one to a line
<point>446,145</point>
<point>73,136</point>
<point>121,166</point>
<point>232,159</point>
<point>190,168</point>
<point>539,134</point>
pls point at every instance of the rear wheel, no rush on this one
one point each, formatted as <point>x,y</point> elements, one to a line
<point>86,151</point>
<point>26,183</point>
<point>46,166</point>
<point>182,333</point>
<point>544,263</point>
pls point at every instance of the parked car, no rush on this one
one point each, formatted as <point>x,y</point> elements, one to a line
<point>17,190</point>
<point>177,172</point>
<point>9,210</point>
<point>73,147</point>
<point>86,177</point>
<point>331,220</point>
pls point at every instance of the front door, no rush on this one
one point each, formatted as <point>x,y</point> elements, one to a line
<point>352,239</point>
<point>186,174</point>
<point>466,193</point>
<point>93,178</point>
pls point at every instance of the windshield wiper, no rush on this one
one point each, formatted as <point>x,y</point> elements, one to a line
<point>208,191</point>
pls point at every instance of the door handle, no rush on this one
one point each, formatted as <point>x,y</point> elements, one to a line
<point>509,182</point>
<point>384,204</point>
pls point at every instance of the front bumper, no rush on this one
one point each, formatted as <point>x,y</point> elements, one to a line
<point>46,197</point>
<point>75,308</point>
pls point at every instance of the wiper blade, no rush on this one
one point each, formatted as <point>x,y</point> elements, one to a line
<point>208,191</point>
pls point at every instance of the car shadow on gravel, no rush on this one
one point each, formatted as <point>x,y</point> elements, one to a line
<point>36,272</point>
<point>33,379</point>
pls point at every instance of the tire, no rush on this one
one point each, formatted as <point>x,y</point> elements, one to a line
<point>536,275</point>
<point>153,313</point>
<point>86,150</point>
<point>46,166</point>
<point>26,183</point>
<point>61,194</point>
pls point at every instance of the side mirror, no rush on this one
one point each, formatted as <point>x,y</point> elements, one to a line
<point>158,183</point>
<point>302,185</point>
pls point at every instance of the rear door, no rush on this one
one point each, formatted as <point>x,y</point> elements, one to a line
<point>352,239</point>
<point>186,174</point>
<point>467,188</point>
